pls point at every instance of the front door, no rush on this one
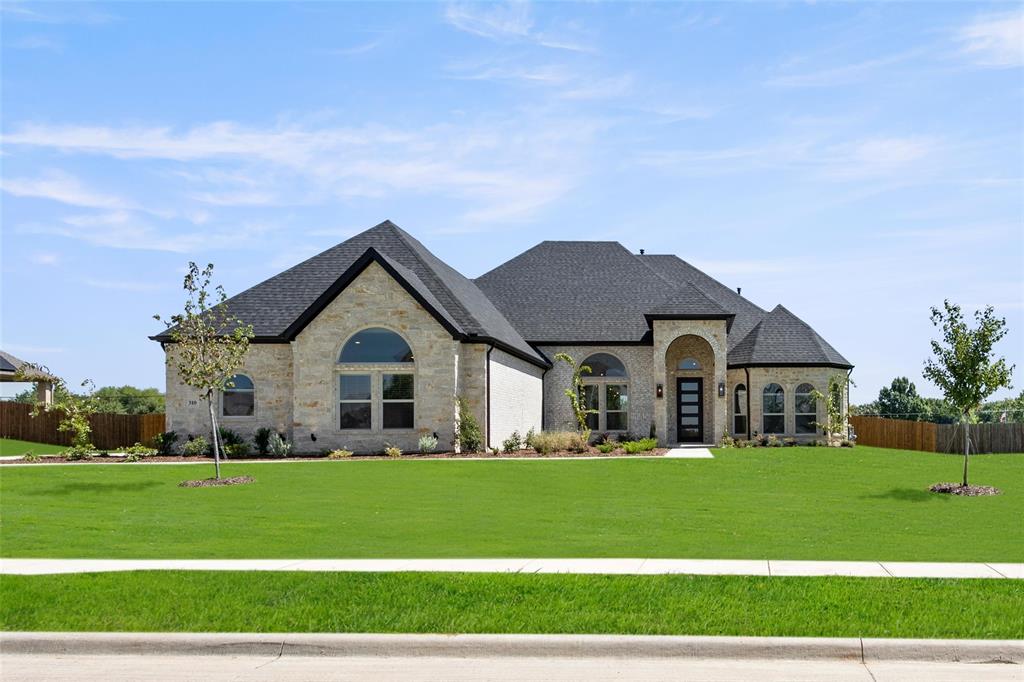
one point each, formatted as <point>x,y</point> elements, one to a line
<point>690,412</point>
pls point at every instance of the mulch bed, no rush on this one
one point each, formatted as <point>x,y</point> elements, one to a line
<point>522,454</point>
<point>965,490</point>
<point>214,482</point>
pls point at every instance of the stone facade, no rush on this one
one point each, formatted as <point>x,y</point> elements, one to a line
<point>516,397</point>
<point>789,378</point>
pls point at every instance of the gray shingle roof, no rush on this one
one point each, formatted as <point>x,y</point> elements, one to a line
<point>562,292</point>
<point>9,366</point>
<point>782,338</point>
<point>281,306</point>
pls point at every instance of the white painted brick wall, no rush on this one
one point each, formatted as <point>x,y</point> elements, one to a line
<point>516,397</point>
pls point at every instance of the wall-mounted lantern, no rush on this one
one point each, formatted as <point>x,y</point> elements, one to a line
<point>721,389</point>
<point>659,391</point>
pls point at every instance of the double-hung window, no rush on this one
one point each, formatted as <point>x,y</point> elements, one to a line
<point>773,409</point>
<point>806,409</point>
<point>376,382</point>
<point>606,391</point>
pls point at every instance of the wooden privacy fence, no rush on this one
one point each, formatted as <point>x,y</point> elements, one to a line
<point>908,435</point>
<point>109,431</point>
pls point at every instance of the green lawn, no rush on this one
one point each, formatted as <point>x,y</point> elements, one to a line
<point>11,446</point>
<point>788,503</point>
<point>482,603</point>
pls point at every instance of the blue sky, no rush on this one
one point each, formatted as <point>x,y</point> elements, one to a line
<point>857,163</point>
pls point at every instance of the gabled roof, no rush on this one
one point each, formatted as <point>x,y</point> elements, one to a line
<point>782,338</point>
<point>9,366</point>
<point>677,270</point>
<point>280,307</point>
<point>588,292</point>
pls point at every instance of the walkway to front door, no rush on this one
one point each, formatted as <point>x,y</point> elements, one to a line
<point>690,410</point>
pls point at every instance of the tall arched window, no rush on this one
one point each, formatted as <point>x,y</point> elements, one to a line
<point>606,390</point>
<point>806,409</point>
<point>739,409</point>
<point>376,382</point>
<point>239,397</point>
<point>773,409</point>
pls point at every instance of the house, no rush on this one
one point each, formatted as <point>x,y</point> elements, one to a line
<point>371,341</point>
<point>16,370</point>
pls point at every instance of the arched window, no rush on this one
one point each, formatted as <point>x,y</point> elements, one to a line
<point>376,382</point>
<point>773,409</point>
<point>689,363</point>
<point>806,409</point>
<point>376,345</point>
<point>739,409</point>
<point>606,390</point>
<point>239,397</point>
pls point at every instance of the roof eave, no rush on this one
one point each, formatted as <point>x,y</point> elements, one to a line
<point>741,365</point>
<point>728,317</point>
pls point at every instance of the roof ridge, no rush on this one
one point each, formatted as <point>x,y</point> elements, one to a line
<point>402,234</point>
<point>815,336</point>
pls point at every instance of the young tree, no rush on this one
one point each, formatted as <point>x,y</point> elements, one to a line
<point>210,343</point>
<point>575,394</point>
<point>901,401</point>
<point>964,366</point>
<point>835,423</point>
<point>74,409</point>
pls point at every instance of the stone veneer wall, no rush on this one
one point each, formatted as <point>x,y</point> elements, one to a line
<point>665,334</point>
<point>558,415</point>
<point>789,378</point>
<point>698,348</point>
<point>270,368</point>
<point>517,396</point>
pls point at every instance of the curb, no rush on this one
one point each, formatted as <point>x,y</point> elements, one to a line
<point>851,649</point>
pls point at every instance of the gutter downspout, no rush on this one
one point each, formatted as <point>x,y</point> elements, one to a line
<point>487,421</point>
<point>849,373</point>
<point>746,371</point>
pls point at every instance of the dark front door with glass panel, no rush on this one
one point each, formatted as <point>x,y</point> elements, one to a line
<point>690,412</point>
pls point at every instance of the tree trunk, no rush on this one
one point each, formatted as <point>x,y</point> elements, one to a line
<point>216,447</point>
<point>967,447</point>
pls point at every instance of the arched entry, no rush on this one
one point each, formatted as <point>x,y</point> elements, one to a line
<point>690,369</point>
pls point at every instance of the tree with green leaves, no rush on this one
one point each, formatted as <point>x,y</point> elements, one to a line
<point>129,400</point>
<point>965,366</point>
<point>835,425</point>
<point>73,409</point>
<point>209,343</point>
<point>575,394</point>
<point>900,400</point>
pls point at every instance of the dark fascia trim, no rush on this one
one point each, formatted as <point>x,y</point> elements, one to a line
<point>502,346</point>
<point>741,365</point>
<point>645,341</point>
<point>728,317</point>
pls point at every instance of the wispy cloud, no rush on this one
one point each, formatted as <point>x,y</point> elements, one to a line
<point>36,42</point>
<point>841,75</point>
<point>59,186</point>
<point>52,13</point>
<point>361,48</point>
<point>994,40</point>
<point>507,22</point>
<point>48,258</point>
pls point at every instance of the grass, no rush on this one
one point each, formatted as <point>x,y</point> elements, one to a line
<point>496,603</point>
<point>10,447</point>
<point>787,503</point>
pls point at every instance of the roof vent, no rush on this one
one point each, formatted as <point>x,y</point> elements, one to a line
<point>739,290</point>
<point>641,252</point>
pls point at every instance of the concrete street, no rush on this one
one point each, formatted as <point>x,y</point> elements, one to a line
<point>25,667</point>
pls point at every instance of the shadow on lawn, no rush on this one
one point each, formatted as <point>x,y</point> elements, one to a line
<point>907,495</point>
<point>77,487</point>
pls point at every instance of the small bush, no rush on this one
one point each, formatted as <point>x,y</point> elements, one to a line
<point>428,443</point>
<point>278,446</point>
<point>727,442</point>
<point>547,442</point>
<point>164,442</point>
<point>789,442</point>
<point>846,443</point>
<point>31,457</point>
<point>744,443</point>
<point>79,452</point>
<point>228,437</point>
<point>133,457</point>
<point>262,440</point>
<point>195,447</point>
<point>773,442</point>
<point>468,435</point>
<point>607,447</point>
<point>642,445</point>
<point>139,449</point>
<point>392,451</point>
<point>237,449</point>
<point>339,454</point>
<point>513,443</point>
<point>528,441</point>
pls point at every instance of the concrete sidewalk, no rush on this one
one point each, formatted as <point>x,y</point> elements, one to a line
<point>866,569</point>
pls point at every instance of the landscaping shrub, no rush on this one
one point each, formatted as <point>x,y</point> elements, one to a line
<point>78,452</point>
<point>339,454</point>
<point>547,442</point>
<point>237,449</point>
<point>31,457</point>
<point>528,441</point>
<point>278,446</point>
<point>607,447</point>
<point>195,447</point>
<point>262,440</point>
<point>229,437</point>
<point>468,435</point>
<point>642,445</point>
<point>846,443</point>
<point>773,442</point>
<point>514,443</point>
<point>789,442</point>
<point>428,443</point>
<point>164,442</point>
<point>392,451</point>
<point>727,441</point>
<point>136,452</point>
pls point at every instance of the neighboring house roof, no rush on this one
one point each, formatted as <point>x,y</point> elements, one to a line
<point>588,292</point>
<point>9,366</point>
<point>280,307</point>
<point>782,338</point>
